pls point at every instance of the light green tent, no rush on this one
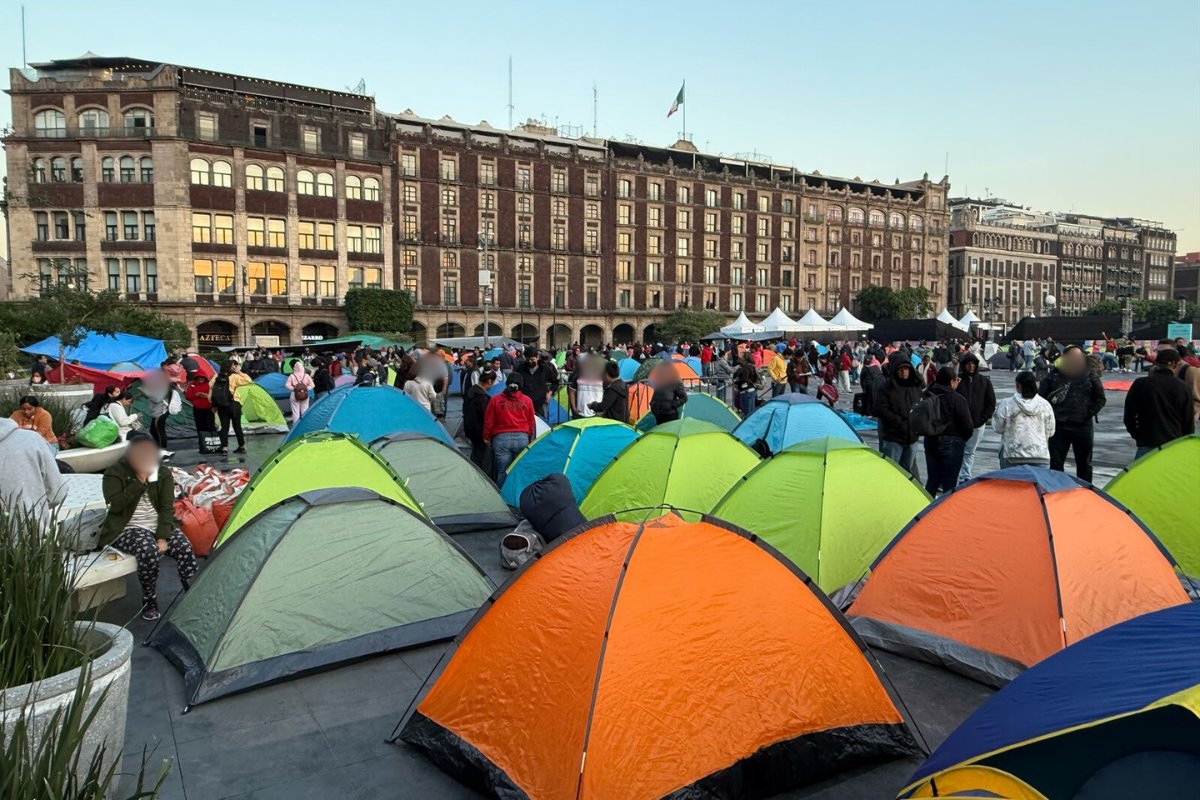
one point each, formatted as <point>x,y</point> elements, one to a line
<point>699,406</point>
<point>317,461</point>
<point>1162,488</point>
<point>454,493</point>
<point>687,465</point>
<point>315,580</point>
<point>829,505</point>
<point>259,411</point>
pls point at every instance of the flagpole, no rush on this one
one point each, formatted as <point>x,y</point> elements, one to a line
<point>684,91</point>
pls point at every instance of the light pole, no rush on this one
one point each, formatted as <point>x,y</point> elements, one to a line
<point>485,286</point>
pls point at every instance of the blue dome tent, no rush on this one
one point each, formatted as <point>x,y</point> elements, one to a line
<point>370,412</point>
<point>790,418</point>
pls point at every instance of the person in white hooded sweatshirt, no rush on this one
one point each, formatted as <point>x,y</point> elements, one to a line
<point>1025,423</point>
<point>30,480</point>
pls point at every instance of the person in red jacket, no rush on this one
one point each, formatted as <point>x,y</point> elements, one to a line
<point>508,425</point>
<point>199,394</point>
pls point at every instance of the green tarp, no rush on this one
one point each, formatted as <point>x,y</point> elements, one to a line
<point>315,580</point>
<point>316,461</point>
<point>688,465</point>
<point>1162,488</point>
<point>829,505</point>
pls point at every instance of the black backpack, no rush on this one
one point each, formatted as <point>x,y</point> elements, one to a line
<point>928,417</point>
<point>221,396</point>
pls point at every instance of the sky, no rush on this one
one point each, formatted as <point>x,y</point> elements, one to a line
<point>1090,106</point>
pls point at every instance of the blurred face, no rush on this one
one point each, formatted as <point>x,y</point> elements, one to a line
<point>27,409</point>
<point>143,456</point>
<point>1074,362</point>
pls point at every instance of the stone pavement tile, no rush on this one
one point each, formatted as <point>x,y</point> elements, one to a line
<point>172,787</point>
<point>358,730</point>
<point>423,660</point>
<point>405,774</point>
<point>232,763</point>
<point>335,783</point>
<point>360,683</point>
<point>267,704</point>
<point>148,725</point>
<point>868,782</point>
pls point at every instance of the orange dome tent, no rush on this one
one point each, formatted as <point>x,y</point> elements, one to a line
<point>1008,569</point>
<point>682,659</point>
<point>639,401</point>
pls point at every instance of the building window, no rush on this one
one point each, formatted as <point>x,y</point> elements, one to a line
<point>624,188</point>
<point>354,239</point>
<point>62,225</point>
<point>591,186</point>
<point>145,165</point>
<point>523,178</point>
<point>307,235</point>
<point>856,216</point>
<point>206,126</point>
<point>916,223</point>
<point>558,181</point>
<point>371,189</point>
<point>738,224</point>
<point>110,226</point>
<point>222,174</point>
<point>138,121</point>
<point>324,184</point>
<point>373,241</point>
<point>735,301</point>
<point>310,140</point>
<point>449,169</point>
<point>37,172</point>
<point>127,169</point>
<point>112,267</point>
<point>408,165</point>
<point>308,280</point>
<point>275,181</point>
<point>58,169</point>
<point>148,227</point>
<point>50,124</point>
<point>79,219</point>
<point>254,178</point>
<point>325,237</point>
<point>133,276</point>
<point>683,246</point>
<point>93,122</point>
<point>222,228</point>
<point>624,298</point>
<point>256,232</point>
<point>353,187</point>
<point>592,239</point>
<point>306,182</point>
<point>450,290</point>
<point>358,145</point>
<point>277,233</point>
<point>108,169</point>
<point>201,227</point>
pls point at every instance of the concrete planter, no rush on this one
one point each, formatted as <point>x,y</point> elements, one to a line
<point>113,646</point>
<point>12,391</point>
<point>72,394</point>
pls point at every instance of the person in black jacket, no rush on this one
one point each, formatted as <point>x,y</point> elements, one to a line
<point>322,380</point>
<point>1158,407</point>
<point>944,452</point>
<point>981,399</point>
<point>541,378</point>
<point>614,403</point>
<point>669,395</point>
<point>1077,397</point>
<point>474,408</point>
<point>893,404</point>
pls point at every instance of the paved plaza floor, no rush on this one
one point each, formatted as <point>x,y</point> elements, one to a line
<point>323,736</point>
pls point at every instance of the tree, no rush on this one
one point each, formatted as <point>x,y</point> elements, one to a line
<point>913,302</point>
<point>876,303</point>
<point>1160,312</point>
<point>68,309</point>
<point>1103,307</point>
<point>379,311</point>
<point>688,325</point>
<point>143,321</point>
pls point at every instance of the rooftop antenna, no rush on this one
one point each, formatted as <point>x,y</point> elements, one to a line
<point>946,171</point>
<point>24,57</point>
<point>510,102</point>
<point>595,111</point>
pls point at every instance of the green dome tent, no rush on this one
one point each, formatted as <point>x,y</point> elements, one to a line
<point>316,461</point>
<point>687,465</point>
<point>702,407</point>
<point>829,505</point>
<point>454,493</point>
<point>316,580</point>
<point>260,414</point>
<point>1174,467</point>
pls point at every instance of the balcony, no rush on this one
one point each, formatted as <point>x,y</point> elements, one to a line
<point>91,133</point>
<point>814,216</point>
<point>812,238</point>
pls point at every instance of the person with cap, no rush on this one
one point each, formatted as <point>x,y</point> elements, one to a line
<point>981,398</point>
<point>1158,408</point>
<point>508,424</point>
<point>538,379</point>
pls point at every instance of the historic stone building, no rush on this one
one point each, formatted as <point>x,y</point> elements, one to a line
<point>247,208</point>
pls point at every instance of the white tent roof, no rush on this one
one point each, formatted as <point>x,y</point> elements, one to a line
<point>813,322</point>
<point>740,325</point>
<point>967,319</point>
<point>948,318</point>
<point>778,321</point>
<point>844,319</point>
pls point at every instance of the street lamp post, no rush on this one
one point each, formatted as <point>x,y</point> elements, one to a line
<point>485,286</point>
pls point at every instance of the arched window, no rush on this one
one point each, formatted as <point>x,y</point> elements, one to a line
<point>275,181</point>
<point>896,221</point>
<point>138,119</point>
<point>58,169</point>
<point>93,121</point>
<point>353,187</point>
<point>305,183</point>
<point>855,216</point>
<point>371,189</point>
<point>200,172</point>
<point>835,213</point>
<point>876,217</point>
<point>108,168</point>
<point>146,164</point>
<point>127,169</point>
<point>50,124</point>
<point>916,222</point>
<point>324,184</point>
<point>254,177</point>
<point>222,174</point>
<point>38,170</point>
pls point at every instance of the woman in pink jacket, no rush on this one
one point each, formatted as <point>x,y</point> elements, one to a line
<point>299,384</point>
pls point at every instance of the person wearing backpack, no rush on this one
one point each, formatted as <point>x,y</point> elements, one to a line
<point>892,404</point>
<point>1077,396</point>
<point>981,398</point>
<point>745,381</point>
<point>225,401</point>
<point>943,417</point>
<point>299,384</point>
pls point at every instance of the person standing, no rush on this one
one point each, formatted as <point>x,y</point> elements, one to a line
<point>797,371</point>
<point>538,379</point>
<point>1190,375</point>
<point>1158,407</point>
<point>845,362</point>
<point>706,358</point>
<point>1077,396</point>
<point>944,451</point>
<point>38,370</point>
<point>669,396</point>
<point>199,394</point>
<point>30,416</point>
<point>508,424</point>
<point>745,381</point>
<point>1025,423</point>
<point>322,379</point>
<point>475,406</point>
<point>1027,351</point>
<point>140,496</point>
<point>777,370</point>
<point>981,399</point>
<point>299,384</point>
<point>157,388</point>
<point>420,389</point>
<point>614,402</point>
<point>229,407</point>
<point>893,404</point>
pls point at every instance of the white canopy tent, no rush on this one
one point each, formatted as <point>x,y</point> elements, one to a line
<point>967,319</point>
<point>740,325</point>
<point>778,321</point>
<point>812,322</point>
<point>848,322</point>
<point>945,316</point>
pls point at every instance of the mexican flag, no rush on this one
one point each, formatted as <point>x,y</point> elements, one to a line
<point>678,102</point>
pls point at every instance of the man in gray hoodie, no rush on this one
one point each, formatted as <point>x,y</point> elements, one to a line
<point>30,480</point>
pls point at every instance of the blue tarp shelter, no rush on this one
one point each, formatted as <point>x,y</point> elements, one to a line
<point>370,412</point>
<point>98,351</point>
<point>1118,711</point>
<point>579,449</point>
<point>790,418</point>
<point>274,383</point>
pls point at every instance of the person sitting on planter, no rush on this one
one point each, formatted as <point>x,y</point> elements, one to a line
<point>31,416</point>
<point>141,518</point>
<point>119,412</point>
